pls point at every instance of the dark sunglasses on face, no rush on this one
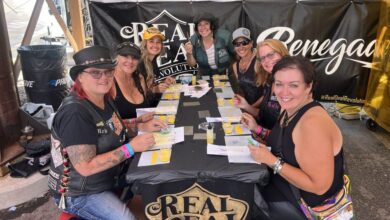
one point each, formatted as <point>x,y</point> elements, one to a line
<point>267,56</point>
<point>96,74</point>
<point>239,43</point>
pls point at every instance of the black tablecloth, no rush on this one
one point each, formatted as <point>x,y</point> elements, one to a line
<point>189,159</point>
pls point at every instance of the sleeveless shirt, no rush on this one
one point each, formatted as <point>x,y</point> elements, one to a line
<point>126,108</point>
<point>247,83</point>
<point>287,148</point>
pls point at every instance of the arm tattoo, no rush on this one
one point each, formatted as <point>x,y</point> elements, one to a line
<point>81,153</point>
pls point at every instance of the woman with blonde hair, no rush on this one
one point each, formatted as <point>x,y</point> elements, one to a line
<point>269,52</point>
<point>244,67</point>
<point>151,48</point>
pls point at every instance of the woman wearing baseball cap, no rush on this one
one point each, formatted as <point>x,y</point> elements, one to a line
<point>151,48</point>
<point>90,145</point>
<point>131,89</point>
<point>244,68</point>
<point>211,48</point>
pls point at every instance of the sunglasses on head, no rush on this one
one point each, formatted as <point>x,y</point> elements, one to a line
<point>127,44</point>
<point>241,43</point>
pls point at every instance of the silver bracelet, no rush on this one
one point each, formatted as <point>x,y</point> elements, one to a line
<point>277,166</point>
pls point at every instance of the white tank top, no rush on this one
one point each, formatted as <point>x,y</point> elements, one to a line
<point>211,57</point>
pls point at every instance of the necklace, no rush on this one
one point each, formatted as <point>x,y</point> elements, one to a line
<point>287,119</point>
<point>244,64</point>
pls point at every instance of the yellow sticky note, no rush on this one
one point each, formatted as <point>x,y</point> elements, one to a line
<point>154,157</point>
<point>165,155</point>
<point>238,129</point>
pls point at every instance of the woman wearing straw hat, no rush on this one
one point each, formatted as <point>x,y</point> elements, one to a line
<point>90,143</point>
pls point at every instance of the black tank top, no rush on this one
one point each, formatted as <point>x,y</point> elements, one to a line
<point>127,109</point>
<point>269,108</point>
<point>247,83</point>
<point>288,147</point>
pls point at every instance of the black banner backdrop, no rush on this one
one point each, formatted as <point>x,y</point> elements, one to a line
<point>337,35</point>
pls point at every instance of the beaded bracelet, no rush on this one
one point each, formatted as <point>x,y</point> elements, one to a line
<point>277,166</point>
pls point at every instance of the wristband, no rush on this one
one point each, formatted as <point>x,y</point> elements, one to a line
<point>125,151</point>
<point>259,129</point>
<point>130,149</point>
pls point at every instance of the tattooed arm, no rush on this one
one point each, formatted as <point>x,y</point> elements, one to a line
<point>84,159</point>
<point>86,162</point>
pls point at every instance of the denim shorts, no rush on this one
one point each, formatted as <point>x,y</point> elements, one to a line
<point>104,205</point>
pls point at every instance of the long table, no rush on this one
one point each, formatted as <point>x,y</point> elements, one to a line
<point>194,183</point>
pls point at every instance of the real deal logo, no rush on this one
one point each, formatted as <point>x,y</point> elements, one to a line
<point>197,203</point>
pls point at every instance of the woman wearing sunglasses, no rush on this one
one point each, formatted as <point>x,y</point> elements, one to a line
<point>269,52</point>
<point>151,48</point>
<point>209,47</point>
<point>131,89</point>
<point>90,143</point>
<point>244,68</point>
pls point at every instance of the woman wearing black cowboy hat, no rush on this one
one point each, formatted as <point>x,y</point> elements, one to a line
<point>90,143</point>
<point>211,48</point>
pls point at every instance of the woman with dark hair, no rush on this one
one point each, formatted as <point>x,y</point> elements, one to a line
<point>306,144</point>
<point>131,89</point>
<point>90,142</point>
<point>211,48</point>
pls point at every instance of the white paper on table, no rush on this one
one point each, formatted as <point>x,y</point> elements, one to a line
<point>206,77</point>
<point>213,119</point>
<point>141,111</point>
<point>146,158</point>
<point>237,140</point>
<point>166,110</point>
<point>176,135</point>
<point>198,94</point>
<point>213,149</point>
<point>164,103</point>
<point>226,93</point>
<point>239,154</point>
<point>179,134</point>
<point>230,114</point>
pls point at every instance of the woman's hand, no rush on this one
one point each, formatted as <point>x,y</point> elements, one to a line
<point>142,142</point>
<point>152,125</point>
<point>145,117</point>
<point>261,154</point>
<point>169,80</point>
<point>240,101</point>
<point>188,47</point>
<point>162,87</point>
<point>249,121</point>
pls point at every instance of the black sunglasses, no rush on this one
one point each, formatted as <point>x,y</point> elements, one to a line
<point>128,44</point>
<point>239,43</point>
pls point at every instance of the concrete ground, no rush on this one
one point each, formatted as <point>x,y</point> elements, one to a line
<point>368,162</point>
